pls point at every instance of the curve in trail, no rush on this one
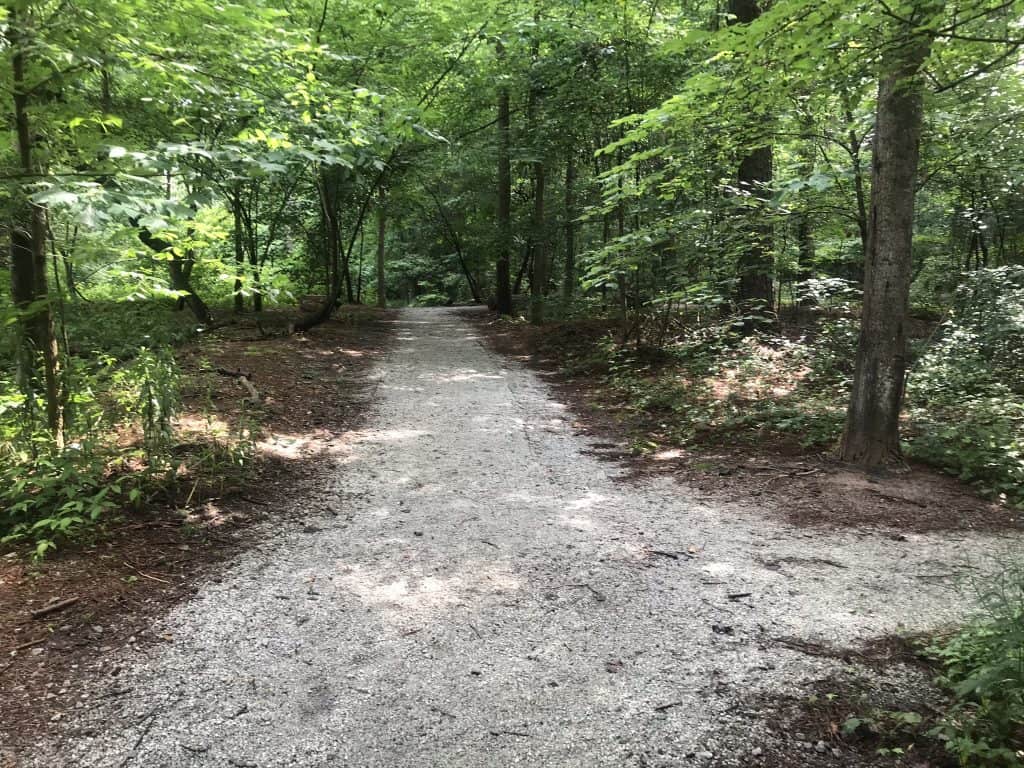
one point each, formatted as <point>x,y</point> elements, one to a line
<point>494,595</point>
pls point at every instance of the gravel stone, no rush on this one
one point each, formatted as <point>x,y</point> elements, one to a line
<point>356,645</point>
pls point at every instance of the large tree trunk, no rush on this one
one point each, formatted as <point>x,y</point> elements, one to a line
<point>503,277</point>
<point>29,290</point>
<point>382,287</point>
<point>569,280</point>
<point>755,289</point>
<point>871,437</point>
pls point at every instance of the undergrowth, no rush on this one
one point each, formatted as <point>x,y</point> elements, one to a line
<point>123,446</point>
<point>980,671</point>
<point>699,380</point>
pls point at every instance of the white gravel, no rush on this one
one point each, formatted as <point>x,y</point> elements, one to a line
<point>484,595</point>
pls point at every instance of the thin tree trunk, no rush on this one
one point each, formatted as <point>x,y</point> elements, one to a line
<point>871,436</point>
<point>359,269</point>
<point>382,288</point>
<point>503,286</point>
<point>539,281</point>
<point>236,209</point>
<point>29,288</point>
<point>855,147</point>
<point>180,271</point>
<point>569,280</point>
<point>755,289</point>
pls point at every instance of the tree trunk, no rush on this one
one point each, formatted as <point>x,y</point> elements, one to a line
<point>539,281</point>
<point>382,288</point>
<point>569,281</point>
<point>871,437</point>
<point>755,289</point>
<point>180,271</point>
<point>503,286</point>
<point>29,290</point>
<point>858,182</point>
<point>236,210</point>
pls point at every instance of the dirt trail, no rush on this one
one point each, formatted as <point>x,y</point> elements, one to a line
<point>489,594</point>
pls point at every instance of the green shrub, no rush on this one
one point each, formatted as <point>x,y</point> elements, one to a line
<point>983,668</point>
<point>965,396</point>
<point>48,494</point>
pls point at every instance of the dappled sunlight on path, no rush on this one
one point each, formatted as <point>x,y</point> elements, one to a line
<point>482,592</point>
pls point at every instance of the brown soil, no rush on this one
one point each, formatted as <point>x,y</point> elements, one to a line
<point>804,485</point>
<point>312,390</point>
<point>808,731</point>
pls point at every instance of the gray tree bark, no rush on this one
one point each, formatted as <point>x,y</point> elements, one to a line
<point>871,437</point>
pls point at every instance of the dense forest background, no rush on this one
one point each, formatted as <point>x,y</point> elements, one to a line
<point>787,226</point>
<point>792,217</point>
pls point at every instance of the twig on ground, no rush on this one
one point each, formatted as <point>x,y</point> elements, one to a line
<point>663,707</point>
<point>148,719</point>
<point>29,644</point>
<point>60,605</point>
<point>146,575</point>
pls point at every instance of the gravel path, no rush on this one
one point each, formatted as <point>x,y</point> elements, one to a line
<point>488,593</point>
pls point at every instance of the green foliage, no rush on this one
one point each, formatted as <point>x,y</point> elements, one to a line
<point>983,668</point>
<point>50,494</point>
<point>898,731</point>
<point>966,392</point>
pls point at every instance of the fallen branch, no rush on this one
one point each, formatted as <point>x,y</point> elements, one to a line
<point>146,575</point>
<point>663,707</point>
<point>244,379</point>
<point>29,644</point>
<point>60,605</point>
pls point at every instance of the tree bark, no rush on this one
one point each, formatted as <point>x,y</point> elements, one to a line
<point>29,289</point>
<point>236,210</point>
<point>180,271</point>
<point>503,285</point>
<point>569,279</point>
<point>755,290</point>
<point>539,281</point>
<point>871,437</point>
<point>382,288</point>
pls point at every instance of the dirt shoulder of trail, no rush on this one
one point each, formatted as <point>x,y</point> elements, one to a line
<point>806,487</point>
<point>312,389</point>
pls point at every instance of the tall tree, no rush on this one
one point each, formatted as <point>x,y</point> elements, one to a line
<point>755,289</point>
<point>503,285</point>
<point>871,436</point>
<point>36,339</point>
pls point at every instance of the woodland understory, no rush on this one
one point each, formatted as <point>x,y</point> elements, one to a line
<point>775,249</point>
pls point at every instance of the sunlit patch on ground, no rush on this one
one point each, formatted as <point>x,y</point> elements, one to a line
<point>398,596</point>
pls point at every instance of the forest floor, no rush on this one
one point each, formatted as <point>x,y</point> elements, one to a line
<point>480,574</point>
<point>802,484</point>
<point>312,389</point>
